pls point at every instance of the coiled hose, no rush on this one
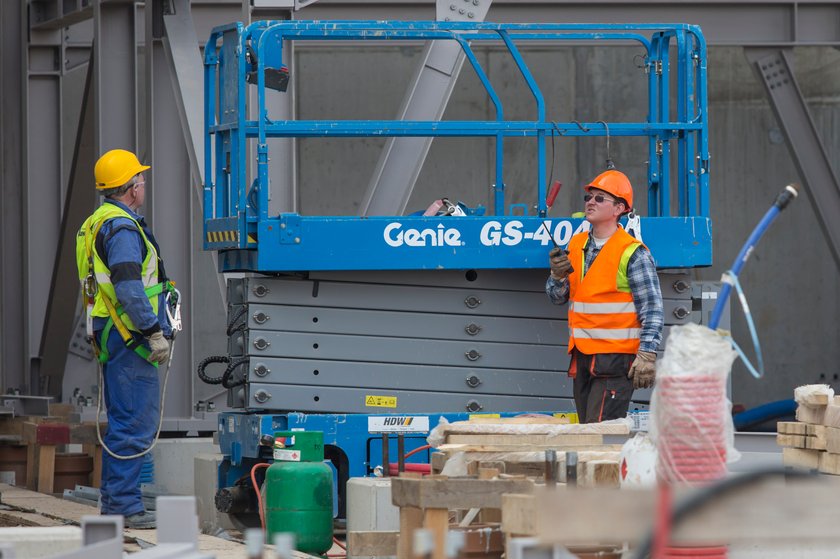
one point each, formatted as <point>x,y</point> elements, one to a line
<point>234,325</point>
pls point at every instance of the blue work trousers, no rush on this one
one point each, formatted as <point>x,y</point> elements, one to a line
<point>132,397</point>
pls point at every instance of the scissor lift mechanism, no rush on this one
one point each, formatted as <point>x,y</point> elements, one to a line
<point>419,315</point>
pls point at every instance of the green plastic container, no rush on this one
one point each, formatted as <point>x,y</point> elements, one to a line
<point>297,493</point>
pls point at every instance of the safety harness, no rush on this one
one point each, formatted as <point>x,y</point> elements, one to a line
<point>115,309</point>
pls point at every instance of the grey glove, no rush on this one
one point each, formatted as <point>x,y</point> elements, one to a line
<point>643,369</point>
<point>160,348</point>
<point>558,260</point>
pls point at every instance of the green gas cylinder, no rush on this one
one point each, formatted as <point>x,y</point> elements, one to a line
<point>297,492</point>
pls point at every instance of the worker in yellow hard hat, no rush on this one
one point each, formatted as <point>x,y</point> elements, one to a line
<point>125,289</point>
<point>615,305</point>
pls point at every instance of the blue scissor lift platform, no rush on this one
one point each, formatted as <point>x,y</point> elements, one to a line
<point>431,315</point>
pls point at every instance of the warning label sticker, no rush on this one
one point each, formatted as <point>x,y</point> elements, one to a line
<point>380,401</point>
<point>398,424</point>
<point>286,455</point>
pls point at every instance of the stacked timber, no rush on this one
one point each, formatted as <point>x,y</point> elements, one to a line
<point>517,446</point>
<point>813,441</point>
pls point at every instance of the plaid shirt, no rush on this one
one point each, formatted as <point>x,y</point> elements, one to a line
<point>644,285</point>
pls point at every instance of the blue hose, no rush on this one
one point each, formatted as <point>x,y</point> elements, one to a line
<point>782,200</point>
<point>764,412</point>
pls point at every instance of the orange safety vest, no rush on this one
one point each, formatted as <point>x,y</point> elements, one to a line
<point>602,316</point>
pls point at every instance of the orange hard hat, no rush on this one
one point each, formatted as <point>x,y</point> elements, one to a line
<point>616,183</point>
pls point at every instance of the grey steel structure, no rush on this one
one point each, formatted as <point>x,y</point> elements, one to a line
<point>82,76</point>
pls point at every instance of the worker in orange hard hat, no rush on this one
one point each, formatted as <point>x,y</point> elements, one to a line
<point>615,305</point>
<point>126,296</point>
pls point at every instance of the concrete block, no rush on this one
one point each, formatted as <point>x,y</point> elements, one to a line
<point>174,461</point>
<point>210,521</point>
<point>36,542</point>
<point>369,506</point>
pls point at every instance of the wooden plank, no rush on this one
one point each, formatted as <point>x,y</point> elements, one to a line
<point>807,414</point>
<point>372,544</point>
<point>488,473</point>
<point>542,420</point>
<point>31,467</point>
<point>832,414</point>
<point>463,447</point>
<point>411,519</point>
<point>601,473</point>
<point>794,441</point>
<point>801,458</point>
<point>813,395</point>
<point>438,461</point>
<point>815,443</point>
<point>95,452</point>
<point>519,515</point>
<point>456,493</point>
<point>46,468</point>
<point>436,520</point>
<point>606,428</point>
<point>515,439</point>
<point>792,428</point>
<point>829,463</point>
<point>810,510</point>
<point>832,440</point>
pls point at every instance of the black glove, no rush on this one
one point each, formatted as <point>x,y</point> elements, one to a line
<point>558,260</point>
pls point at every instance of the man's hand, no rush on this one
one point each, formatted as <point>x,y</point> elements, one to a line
<point>643,369</point>
<point>160,348</point>
<point>558,260</point>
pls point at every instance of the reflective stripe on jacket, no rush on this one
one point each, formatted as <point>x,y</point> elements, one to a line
<point>86,254</point>
<point>602,316</point>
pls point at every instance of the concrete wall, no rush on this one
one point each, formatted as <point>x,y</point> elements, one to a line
<point>791,281</point>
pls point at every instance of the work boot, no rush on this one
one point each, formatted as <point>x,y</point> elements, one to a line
<point>141,521</point>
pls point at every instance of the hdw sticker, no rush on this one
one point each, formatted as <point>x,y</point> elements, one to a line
<point>398,424</point>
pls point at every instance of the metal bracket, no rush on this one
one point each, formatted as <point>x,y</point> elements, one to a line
<point>27,405</point>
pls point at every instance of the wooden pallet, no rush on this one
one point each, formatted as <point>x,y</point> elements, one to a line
<point>426,503</point>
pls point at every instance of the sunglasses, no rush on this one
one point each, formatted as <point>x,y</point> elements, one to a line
<point>600,198</point>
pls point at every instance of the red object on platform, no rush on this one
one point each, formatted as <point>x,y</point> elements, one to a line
<point>425,469</point>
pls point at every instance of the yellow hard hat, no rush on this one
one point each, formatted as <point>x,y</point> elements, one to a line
<point>115,168</point>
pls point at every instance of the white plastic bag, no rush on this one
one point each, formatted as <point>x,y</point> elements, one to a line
<point>691,414</point>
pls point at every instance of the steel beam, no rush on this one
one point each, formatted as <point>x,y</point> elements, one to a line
<point>13,364</point>
<point>63,293</point>
<point>115,76</point>
<point>42,109</point>
<point>402,159</point>
<point>180,43</point>
<point>733,23</point>
<point>774,68</point>
<point>169,204</point>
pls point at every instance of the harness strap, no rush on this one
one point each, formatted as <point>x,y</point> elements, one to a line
<point>114,321</point>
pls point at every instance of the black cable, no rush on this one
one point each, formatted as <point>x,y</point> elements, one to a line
<point>239,314</point>
<point>202,374</point>
<point>698,500</point>
<point>226,377</point>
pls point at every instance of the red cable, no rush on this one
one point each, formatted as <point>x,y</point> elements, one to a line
<point>257,491</point>
<point>339,544</point>
<point>416,450</point>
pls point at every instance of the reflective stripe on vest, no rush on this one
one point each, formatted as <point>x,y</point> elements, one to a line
<point>603,308</point>
<point>606,333</point>
<point>86,247</point>
<point>602,315</point>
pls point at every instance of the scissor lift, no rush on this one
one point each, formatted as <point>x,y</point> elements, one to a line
<point>420,315</point>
